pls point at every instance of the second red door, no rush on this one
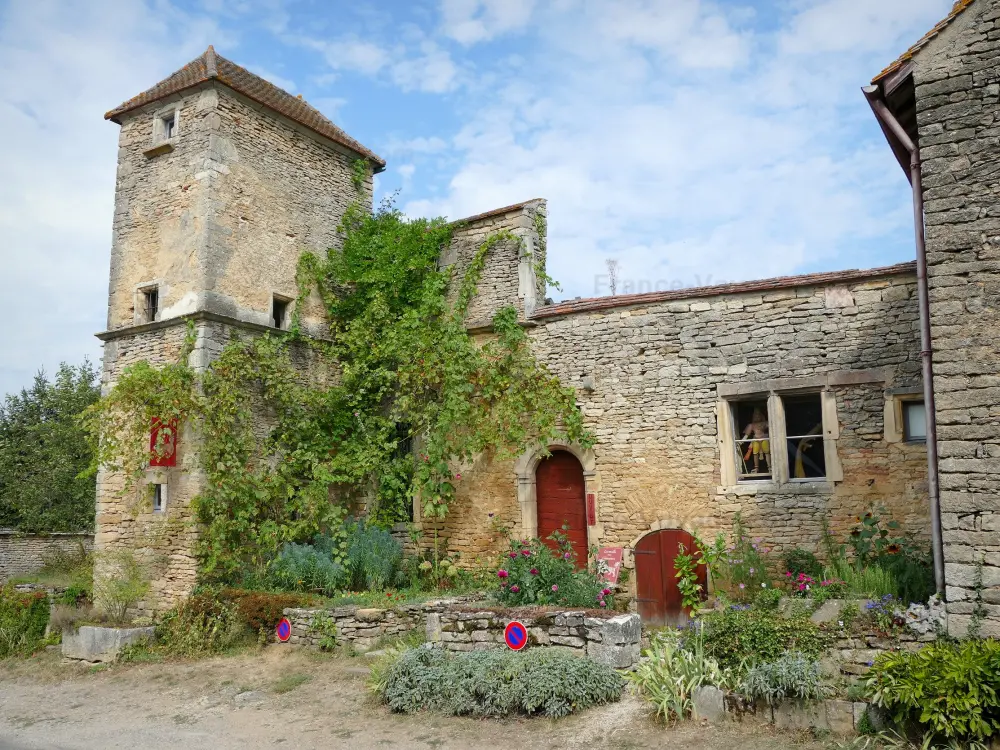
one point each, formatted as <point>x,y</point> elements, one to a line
<point>561,500</point>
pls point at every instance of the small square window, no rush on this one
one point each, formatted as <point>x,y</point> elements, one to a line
<point>279,313</point>
<point>804,436</point>
<point>753,442</point>
<point>150,304</point>
<point>159,498</point>
<point>914,422</point>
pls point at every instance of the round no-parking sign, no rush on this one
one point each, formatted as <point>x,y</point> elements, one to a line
<point>284,630</point>
<point>515,635</point>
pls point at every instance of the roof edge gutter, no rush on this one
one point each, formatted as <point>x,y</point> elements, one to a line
<point>892,127</point>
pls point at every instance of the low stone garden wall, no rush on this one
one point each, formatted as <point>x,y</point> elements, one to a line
<point>460,626</point>
<point>21,554</point>
<point>839,717</point>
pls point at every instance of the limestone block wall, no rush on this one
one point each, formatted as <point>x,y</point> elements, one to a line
<point>160,202</point>
<point>511,275</point>
<point>957,78</point>
<point>21,554</point>
<point>456,626</point>
<point>649,379</point>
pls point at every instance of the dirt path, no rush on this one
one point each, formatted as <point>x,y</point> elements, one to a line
<point>294,699</point>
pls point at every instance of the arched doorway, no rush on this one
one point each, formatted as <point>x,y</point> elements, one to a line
<point>561,499</point>
<point>657,594</point>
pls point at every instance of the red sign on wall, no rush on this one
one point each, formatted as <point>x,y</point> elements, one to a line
<point>591,509</point>
<point>163,443</point>
<point>610,560</point>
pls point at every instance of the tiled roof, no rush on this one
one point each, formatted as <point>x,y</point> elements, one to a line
<point>213,66</point>
<point>495,212</point>
<point>765,285</point>
<point>960,5</point>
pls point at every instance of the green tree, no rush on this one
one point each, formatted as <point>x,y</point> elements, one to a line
<point>43,450</point>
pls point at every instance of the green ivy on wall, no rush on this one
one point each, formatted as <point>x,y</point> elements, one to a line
<point>408,397</point>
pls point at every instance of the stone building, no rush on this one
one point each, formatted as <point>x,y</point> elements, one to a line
<point>938,105</point>
<point>794,402</point>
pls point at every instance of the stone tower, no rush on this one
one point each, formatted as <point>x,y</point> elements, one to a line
<point>223,181</point>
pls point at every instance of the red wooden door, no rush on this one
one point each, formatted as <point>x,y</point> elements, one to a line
<point>561,499</point>
<point>657,594</point>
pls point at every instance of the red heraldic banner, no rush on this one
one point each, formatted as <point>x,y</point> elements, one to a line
<point>163,437</point>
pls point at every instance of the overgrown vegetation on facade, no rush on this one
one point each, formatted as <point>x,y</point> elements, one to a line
<point>412,398</point>
<point>43,452</point>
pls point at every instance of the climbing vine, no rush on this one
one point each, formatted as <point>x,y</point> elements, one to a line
<point>393,402</point>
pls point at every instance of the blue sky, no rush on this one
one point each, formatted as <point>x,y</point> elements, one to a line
<point>692,141</point>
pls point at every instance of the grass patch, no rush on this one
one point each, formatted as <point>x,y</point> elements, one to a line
<point>289,682</point>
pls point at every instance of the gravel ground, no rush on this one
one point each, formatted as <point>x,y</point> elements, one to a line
<point>284,697</point>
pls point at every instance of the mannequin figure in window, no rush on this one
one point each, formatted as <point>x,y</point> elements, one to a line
<point>761,446</point>
<point>801,459</point>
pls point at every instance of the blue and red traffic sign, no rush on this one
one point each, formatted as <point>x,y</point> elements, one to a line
<point>284,630</point>
<point>515,635</point>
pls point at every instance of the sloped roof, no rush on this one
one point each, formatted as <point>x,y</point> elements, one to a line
<point>590,304</point>
<point>956,11</point>
<point>211,65</point>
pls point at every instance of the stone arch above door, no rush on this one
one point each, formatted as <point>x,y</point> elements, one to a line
<point>527,499</point>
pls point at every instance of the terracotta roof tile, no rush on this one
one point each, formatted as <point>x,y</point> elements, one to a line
<point>213,66</point>
<point>960,5</point>
<point>570,307</point>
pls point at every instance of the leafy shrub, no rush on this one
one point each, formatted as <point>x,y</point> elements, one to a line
<point>498,682</point>
<point>878,545</point>
<point>950,690</point>
<point>120,581</point>
<point>373,556</point>
<point>531,573</point>
<point>23,618</point>
<point>671,673</point>
<point>201,625</point>
<point>261,609</point>
<point>305,567</point>
<point>802,561</point>
<point>791,675</point>
<point>740,638</point>
<point>862,581</point>
<point>767,599</point>
<point>743,569</point>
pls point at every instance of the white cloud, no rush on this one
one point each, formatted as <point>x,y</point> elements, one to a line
<point>472,21</point>
<point>280,81</point>
<point>432,70</point>
<point>349,53</point>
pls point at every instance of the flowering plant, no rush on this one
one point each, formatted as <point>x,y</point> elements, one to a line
<point>533,572</point>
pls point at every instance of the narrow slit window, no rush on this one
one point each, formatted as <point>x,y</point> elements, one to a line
<point>804,436</point>
<point>151,304</point>
<point>279,313</point>
<point>169,126</point>
<point>753,440</point>
<point>914,422</point>
<point>159,498</point>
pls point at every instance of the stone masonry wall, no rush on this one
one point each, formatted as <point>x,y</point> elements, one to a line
<point>510,273</point>
<point>21,554</point>
<point>456,626</point>
<point>957,77</point>
<point>655,373</point>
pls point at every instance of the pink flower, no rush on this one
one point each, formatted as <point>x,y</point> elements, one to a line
<point>502,573</point>
<point>514,589</point>
<point>788,574</point>
<point>554,587</point>
<point>604,604</point>
<point>534,571</point>
<point>458,476</point>
<point>513,555</point>
<point>751,571</point>
<point>526,552</point>
<point>742,587</point>
<point>605,591</point>
<point>802,587</point>
<point>566,555</point>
